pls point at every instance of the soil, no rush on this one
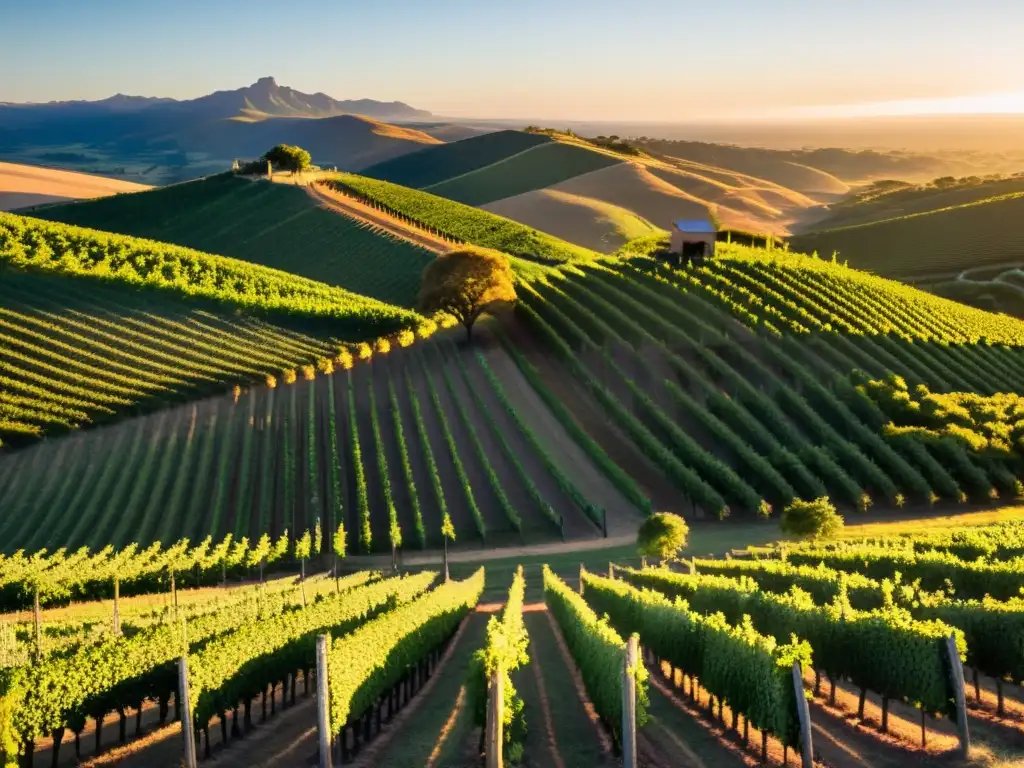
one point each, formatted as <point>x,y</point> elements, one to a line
<point>560,447</point>
<point>566,726</point>
<point>597,424</point>
<point>23,186</point>
<point>535,525</point>
<point>436,726</point>
<point>454,494</point>
<point>396,474</point>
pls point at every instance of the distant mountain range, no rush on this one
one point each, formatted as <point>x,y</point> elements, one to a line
<point>264,98</point>
<point>158,140</point>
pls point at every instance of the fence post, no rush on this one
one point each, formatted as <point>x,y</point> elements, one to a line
<point>804,713</point>
<point>323,719</point>
<point>185,708</point>
<point>629,664</point>
<point>495,713</point>
<point>956,673</point>
<point>582,571</point>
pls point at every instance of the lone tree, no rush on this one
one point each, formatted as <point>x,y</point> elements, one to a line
<point>662,535</point>
<point>817,519</point>
<point>288,158</point>
<point>465,284</point>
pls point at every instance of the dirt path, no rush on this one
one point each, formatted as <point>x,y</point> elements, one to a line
<point>348,206</point>
<point>563,724</point>
<point>623,516</point>
<point>535,526</point>
<point>435,728</point>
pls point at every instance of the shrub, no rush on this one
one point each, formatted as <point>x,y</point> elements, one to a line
<point>817,519</point>
<point>662,535</point>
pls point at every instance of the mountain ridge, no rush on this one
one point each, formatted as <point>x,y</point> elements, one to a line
<point>265,96</point>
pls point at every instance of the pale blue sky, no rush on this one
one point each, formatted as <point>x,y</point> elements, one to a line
<point>573,59</point>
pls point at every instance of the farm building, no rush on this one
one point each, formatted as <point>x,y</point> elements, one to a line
<point>693,239</point>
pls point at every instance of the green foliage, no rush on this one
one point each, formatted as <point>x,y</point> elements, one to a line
<point>504,651</point>
<point>751,672</point>
<point>44,247</point>
<point>462,223</point>
<point>119,672</point>
<point>403,453</point>
<point>362,494</point>
<point>662,535</point>
<point>816,519</point>
<point>226,215</point>
<point>365,663</point>
<point>598,651</point>
<point>239,666</point>
<point>287,157</point>
<point>887,650</point>
<point>465,284</point>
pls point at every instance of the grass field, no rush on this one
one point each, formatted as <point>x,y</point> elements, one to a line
<point>272,224</point>
<point>985,232</point>
<point>434,165</point>
<point>541,167</point>
<point>584,221</point>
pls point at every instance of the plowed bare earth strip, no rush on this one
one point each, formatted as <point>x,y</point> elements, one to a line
<point>623,517</point>
<point>617,445</point>
<point>903,742</point>
<point>579,738</point>
<point>353,209</point>
<point>420,729</point>
<point>559,445</point>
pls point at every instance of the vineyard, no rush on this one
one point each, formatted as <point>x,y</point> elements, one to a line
<point>952,239</point>
<point>756,379</point>
<point>389,449</point>
<point>542,167</point>
<point>460,222</point>
<point>72,359</point>
<point>262,223</point>
<point>436,164</point>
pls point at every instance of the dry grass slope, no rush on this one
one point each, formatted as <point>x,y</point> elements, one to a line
<point>22,186</point>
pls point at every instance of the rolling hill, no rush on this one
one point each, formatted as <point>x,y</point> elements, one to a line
<point>23,186</point>
<point>940,241</point>
<point>163,140</point>
<point>273,224</point>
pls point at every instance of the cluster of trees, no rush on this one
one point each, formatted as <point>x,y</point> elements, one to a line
<point>283,157</point>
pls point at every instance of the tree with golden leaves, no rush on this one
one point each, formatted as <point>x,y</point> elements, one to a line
<point>466,283</point>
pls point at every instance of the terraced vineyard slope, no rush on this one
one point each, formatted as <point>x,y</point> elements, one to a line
<point>755,380</point>
<point>273,224</point>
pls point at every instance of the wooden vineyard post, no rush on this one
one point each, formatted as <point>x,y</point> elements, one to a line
<point>629,665</point>
<point>582,571</point>
<point>323,720</point>
<point>956,673</point>
<point>185,708</point>
<point>495,713</point>
<point>804,713</point>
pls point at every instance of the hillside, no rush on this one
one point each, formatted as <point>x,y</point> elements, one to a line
<point>591,193</point>
<point>276,225</point>
<point>892,199</point>
<point>434,165</point>
<point>23,186</point>
<point>77,353</point>
<point>940,241</point>
<point>461,222</point>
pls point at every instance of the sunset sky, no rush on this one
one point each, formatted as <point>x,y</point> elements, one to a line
<point>654,60</point>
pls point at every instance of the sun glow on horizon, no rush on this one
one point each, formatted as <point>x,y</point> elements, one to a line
<point>1006,103</point>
